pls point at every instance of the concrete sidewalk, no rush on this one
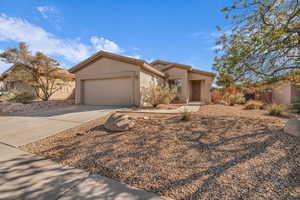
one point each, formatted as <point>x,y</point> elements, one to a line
<point>26,176</point>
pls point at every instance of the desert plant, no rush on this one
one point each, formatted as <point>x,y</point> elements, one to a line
<point>276,110</point>
<point>185,116</point>
<point>216,96</point>
<point>233,99</point>
<point>239,98</point>
<point>231,90</point>
<point>156,94</point>
<point>17,96</point>
<point>251,105</point>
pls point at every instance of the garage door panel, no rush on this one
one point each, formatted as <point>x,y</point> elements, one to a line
<point>108,92</point>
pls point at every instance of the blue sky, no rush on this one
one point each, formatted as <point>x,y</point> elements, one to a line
<point>70,31</point>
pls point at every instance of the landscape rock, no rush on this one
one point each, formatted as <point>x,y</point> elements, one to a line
<point>119,122</point>
<point>293,127</point>
<point>33,106</point>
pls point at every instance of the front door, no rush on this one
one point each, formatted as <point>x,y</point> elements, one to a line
<point>196,90</point>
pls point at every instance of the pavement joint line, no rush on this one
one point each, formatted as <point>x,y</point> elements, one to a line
<point>9,145</point>
<point>70,188</point>
<point>64,120</point>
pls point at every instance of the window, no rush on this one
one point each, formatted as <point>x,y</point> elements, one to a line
<point>176,84</point>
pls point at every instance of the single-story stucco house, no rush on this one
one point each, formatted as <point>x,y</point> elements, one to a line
<point>111,79</point>
<point>64,92</point>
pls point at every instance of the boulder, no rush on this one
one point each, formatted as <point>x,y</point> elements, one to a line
<point>119,122</point>
<point>293,127</point>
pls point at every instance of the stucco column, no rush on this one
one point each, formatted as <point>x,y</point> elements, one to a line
<point>205,91</point>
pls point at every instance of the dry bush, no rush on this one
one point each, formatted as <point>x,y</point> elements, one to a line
<point>276,110</point>
<point>233,99</point>
<point>251,105</point>
<point>156,94</point>
<point>231,90</point>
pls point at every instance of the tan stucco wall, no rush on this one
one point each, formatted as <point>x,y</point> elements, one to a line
<point>180,74</point>
<point>146,79</point>
<point>282,94</point>
<point>186,77</point>
<point>196,76</point>
<point>107,68</point>
<point>295,94</point>
<point>66,92</point>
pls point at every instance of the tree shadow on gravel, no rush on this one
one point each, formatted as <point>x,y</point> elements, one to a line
<point>285,186</point>
<point>205,158</point>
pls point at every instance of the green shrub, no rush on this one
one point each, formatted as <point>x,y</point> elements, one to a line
<point>185,116</point>
<point>156,94</point>
<point>251,105</point>
<point>276,110</point>
<point>233,99</point>
<point>16,96</point>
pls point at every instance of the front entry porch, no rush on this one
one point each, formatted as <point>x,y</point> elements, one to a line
<point>195,90</point>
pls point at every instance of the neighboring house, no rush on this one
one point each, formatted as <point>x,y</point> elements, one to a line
<point>286,93</point>
<point>65,92</point>
<point>110,79</point>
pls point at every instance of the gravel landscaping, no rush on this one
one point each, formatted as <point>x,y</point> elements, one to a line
<point>221,153</point>
<point>35,106</point>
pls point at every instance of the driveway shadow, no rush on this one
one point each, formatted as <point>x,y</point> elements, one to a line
<point>69,110</point>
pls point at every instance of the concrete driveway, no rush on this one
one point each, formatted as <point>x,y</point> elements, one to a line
<point>23,129</point>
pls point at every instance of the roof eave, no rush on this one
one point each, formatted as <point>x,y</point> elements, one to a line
<point>203,72</point>
<point>120,58</point>
<point>148,67</point>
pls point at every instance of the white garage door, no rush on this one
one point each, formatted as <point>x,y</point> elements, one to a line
<point>108,92</point>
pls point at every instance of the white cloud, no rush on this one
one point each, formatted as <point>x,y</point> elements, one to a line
<point>52,15</point>
<point>73,50</point>
<point>100,43</point>
<point>46,11</point>
<point>3,65</point>
<point>217,47</point>
<point>135,56</point>
<point>150,60</point>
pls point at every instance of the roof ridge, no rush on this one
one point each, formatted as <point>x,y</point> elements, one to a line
<point>118,57</point>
